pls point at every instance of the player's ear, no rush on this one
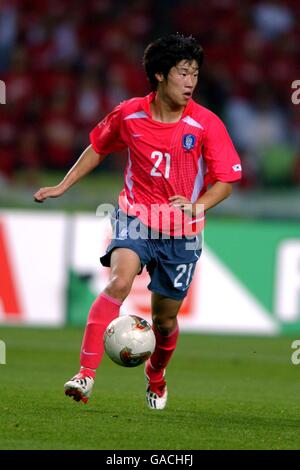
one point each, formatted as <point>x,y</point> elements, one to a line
<point>159,77</point>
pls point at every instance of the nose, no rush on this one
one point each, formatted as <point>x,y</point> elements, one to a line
<point>189,81</point>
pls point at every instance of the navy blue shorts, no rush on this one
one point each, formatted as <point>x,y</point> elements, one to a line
<point>170,262</point>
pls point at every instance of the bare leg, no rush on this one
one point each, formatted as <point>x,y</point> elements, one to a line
<point>125,264</point>
<point>164,313</point>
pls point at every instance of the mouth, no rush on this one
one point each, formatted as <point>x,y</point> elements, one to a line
<point>187,94</point>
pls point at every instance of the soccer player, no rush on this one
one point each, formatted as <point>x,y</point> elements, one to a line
<point>180,156</point>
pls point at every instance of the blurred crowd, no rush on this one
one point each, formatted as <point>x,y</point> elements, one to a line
<point>66,63</point>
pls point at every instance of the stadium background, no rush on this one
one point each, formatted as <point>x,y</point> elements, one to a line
<point>65,64</point>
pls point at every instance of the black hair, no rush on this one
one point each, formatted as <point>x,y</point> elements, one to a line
<point>164,53</point>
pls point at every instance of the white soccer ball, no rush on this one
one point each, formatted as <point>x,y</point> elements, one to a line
<point>129,340</point>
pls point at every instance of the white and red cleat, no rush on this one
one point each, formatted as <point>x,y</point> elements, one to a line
<point>157,392</point>
<point>79,387</point>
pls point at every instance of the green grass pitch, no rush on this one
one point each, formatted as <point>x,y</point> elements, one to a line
<point>224,393</point>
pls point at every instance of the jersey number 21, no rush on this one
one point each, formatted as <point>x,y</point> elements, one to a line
<point>159,158</point>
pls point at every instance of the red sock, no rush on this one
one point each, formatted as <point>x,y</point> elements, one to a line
<point>165,346</point>
<point>103,311</point>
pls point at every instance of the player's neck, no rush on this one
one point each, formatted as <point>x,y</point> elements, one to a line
<point>164,110</point>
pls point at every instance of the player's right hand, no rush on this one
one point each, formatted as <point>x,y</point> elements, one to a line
<point>42,194</point>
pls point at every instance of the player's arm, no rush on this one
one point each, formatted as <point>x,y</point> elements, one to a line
<point>213,196</point>
<point>88,160</point>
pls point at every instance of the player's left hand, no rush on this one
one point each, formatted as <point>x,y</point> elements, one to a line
<point>182,203</point>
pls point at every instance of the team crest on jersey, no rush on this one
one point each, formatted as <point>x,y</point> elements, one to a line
<point>188,141</point>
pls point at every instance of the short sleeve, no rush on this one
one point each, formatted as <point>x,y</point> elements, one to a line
<point>222,161</point>
<point>105,137</point>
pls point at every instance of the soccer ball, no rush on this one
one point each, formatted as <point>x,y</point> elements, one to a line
<point>129,340</point>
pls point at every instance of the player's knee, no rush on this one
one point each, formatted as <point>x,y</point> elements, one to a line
<point>165,325</point>
<point>118,287</point>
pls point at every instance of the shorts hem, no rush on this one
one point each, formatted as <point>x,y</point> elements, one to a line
<point>174,297</point>
<point>105,259</point>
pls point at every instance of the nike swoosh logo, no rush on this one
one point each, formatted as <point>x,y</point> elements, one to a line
<point>89,354</point>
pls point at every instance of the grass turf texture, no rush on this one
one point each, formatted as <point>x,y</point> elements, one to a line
<point>224,393</point>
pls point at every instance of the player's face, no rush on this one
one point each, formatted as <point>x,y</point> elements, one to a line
<point>181,82</point>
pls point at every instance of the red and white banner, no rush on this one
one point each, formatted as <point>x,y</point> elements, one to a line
<point>32,268</point>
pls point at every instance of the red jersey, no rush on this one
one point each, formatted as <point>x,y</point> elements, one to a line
<point>165,159</point>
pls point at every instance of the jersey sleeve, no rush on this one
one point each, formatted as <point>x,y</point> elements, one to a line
<point>222,161</point>
<point>105,138</point>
